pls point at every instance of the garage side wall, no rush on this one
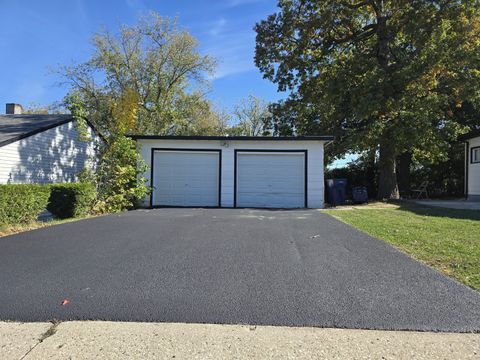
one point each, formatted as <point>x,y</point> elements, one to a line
<point>473,172</point>
<point>51,156</point>
<point>315,166</point>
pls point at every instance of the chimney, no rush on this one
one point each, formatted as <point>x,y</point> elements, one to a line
<point>13,109</point>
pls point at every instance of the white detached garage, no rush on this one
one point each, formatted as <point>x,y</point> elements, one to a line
<point>239,171</point>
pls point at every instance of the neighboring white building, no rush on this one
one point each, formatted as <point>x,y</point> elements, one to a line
<point>472,165</point>
<point>41,148</point>
<point>238,171</point>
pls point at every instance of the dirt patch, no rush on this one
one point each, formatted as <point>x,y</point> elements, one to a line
<point>370,205</point>
<point>6,230</point>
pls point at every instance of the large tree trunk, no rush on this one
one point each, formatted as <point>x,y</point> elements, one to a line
<point>371,174</point>
<point>387,182</point>
<point>403,173</point>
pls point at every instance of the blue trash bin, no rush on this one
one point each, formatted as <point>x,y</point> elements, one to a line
<point>359,194</point>
<point>336,191</point>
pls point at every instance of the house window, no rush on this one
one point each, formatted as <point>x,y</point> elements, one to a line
<point>475,155</point>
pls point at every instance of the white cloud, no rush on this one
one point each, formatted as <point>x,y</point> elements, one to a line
<point>217,27</point>
<point>234,3</point>
<point>234,68</point>
<point>135,4</point>
<point>231,41</point>
<point>235,54</point>
<point>230,64</point>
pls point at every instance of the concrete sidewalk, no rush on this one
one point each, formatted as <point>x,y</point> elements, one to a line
<point>117,340</point>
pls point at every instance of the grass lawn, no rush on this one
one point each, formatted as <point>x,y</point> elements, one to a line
<point>446,239</point>
<point>14,229</point>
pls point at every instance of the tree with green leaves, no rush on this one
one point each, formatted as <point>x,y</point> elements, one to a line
<point>117,171</point>
<point>148,79</point>
<point>117,176</point>
<point>385,77</point>
<point>251,116</point>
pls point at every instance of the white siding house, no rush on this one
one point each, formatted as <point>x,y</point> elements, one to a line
<point>472,165</point>
<point>42,149</point>
<point>264,172</point>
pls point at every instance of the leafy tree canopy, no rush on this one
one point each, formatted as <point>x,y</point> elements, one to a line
<point>383,76</point>
<point>148,78</point>
<point>252,117</point>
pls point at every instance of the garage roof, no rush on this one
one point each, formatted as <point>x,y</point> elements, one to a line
<point>256,138</point>
<point>16,127</point>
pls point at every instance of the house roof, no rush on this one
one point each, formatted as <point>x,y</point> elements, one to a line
<point>470,135</point>
<point>251,138</point>
<point>16,127</point>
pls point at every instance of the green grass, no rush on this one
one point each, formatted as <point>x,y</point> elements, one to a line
<point>6,230</point>
<point>446,239</point>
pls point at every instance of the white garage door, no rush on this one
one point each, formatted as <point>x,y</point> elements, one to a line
<point>271,180</point>
<point>186,178</point>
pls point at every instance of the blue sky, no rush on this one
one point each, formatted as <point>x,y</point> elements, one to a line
<point>38,35</point>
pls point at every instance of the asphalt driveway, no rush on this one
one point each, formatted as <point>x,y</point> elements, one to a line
<point>234,266</point>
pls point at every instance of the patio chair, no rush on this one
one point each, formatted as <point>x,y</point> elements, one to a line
<point>422,190</point>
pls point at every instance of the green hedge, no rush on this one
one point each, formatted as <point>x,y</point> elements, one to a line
<point>71,199</point>
<point>22,203</point>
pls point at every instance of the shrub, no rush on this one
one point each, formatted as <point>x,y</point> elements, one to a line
<point>71,199</point>
<point>22,203</point>
<point>119,176</point>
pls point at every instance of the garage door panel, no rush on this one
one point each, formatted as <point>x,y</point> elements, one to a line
<point>186,178</point>
<point>271,180</point>
<point>270,201</point>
